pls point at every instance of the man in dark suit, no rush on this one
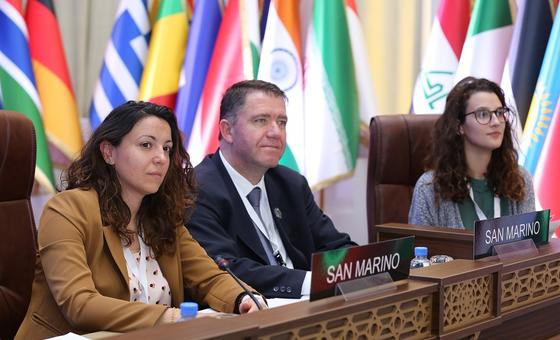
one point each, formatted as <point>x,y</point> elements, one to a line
<point>259,215</point>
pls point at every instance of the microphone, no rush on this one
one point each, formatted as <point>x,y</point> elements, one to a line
<point>223,264</point>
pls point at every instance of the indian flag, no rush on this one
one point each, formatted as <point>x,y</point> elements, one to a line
<point>332,120</point>
<point>488,38</point>
<point>17,82</point>
<point>280,64</point>
<point>160,80</point>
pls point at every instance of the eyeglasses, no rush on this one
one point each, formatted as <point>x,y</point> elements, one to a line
<point>484,116</point>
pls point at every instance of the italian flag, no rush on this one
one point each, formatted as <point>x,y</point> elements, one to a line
<point>280,63</point>
<point>160,80</point>
<point>437,76</point>
<point>332,120</point>
<point>488,38</point>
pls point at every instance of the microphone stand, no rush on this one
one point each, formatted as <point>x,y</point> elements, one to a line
<point>224,265</point>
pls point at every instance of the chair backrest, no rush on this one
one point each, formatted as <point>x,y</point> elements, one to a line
<point>398,148</point>
<point>17,226</point>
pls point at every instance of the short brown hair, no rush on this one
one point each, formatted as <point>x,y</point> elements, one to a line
<point>234,97</point>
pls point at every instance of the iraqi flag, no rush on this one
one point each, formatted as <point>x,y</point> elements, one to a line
<point>437,76</point>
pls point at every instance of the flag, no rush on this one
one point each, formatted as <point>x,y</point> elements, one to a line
<point>364,83</point>
<point>487,44</point>
<point>60,112</point>
<point>332,119</point>
<point>231,62</point>
<point>18,83</point>
<point>528,44</point>
<point>124,60</point>
<point>437,75</point>
<point>280,63</point>
<point>546,96</point>
<point>160,80</point>
<point>202,37</point>
<point>546,178</point>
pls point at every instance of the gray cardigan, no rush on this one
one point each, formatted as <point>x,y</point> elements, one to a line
<point>423,210</point>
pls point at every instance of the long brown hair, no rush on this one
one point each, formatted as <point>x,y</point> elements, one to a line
<point>447,158</point>
<point>160,213</point>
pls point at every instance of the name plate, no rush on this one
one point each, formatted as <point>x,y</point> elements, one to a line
<point>508,229</point>
<point>340,265</point>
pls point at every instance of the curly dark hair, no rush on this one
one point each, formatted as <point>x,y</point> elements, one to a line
<point>447,158</point>
<point>160,213</point>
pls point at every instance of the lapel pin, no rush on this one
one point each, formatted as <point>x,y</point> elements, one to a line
<point>278,213</point>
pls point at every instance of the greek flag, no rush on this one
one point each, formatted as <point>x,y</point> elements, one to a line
<point>120,75</point>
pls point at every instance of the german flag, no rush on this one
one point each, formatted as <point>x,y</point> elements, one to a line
<point>60,113</point>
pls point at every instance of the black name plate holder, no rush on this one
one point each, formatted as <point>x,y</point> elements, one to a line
<point>523,248</point>
<point>366,286</point>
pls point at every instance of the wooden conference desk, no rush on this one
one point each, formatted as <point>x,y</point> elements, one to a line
<point>457,243</point>
<point>517,299</point>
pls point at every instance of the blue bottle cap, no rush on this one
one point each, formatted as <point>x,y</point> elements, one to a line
<point>188,309</point>
<point>420,251</point>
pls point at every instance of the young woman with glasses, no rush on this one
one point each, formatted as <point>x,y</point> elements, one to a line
<point>473,172</point>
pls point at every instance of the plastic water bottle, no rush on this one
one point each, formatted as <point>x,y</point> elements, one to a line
<point>188,310</point>
<point>420,258</point>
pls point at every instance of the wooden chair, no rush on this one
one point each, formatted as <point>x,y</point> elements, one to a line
<point>398,147</point>
<point>18,247</point>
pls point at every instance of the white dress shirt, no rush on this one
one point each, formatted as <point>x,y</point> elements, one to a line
<point>269,230</point>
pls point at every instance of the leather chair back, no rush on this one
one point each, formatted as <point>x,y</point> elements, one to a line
<point>398,148</point>
<point>18,246</point>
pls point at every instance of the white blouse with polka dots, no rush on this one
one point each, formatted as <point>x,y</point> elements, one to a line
<point>144,274</point>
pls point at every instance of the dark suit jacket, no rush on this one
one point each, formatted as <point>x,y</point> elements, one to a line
<point>221,224</point>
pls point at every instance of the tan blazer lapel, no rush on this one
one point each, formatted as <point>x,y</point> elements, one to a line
<point>171,269</point>
<point>115,247</point>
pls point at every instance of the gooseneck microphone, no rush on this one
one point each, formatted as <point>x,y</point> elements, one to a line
<point>223,264</point>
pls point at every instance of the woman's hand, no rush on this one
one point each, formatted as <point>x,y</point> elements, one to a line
<point>170,315</point>
<point>247,304</point>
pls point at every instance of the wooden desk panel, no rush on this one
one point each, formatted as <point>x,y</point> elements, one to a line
<point>490,299</point>
<point>469,295</point>
<point>200,328</point>
<point>406,312</point>
<point>457,243</point>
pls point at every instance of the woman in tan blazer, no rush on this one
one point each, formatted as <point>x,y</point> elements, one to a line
<point>114,254</point>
